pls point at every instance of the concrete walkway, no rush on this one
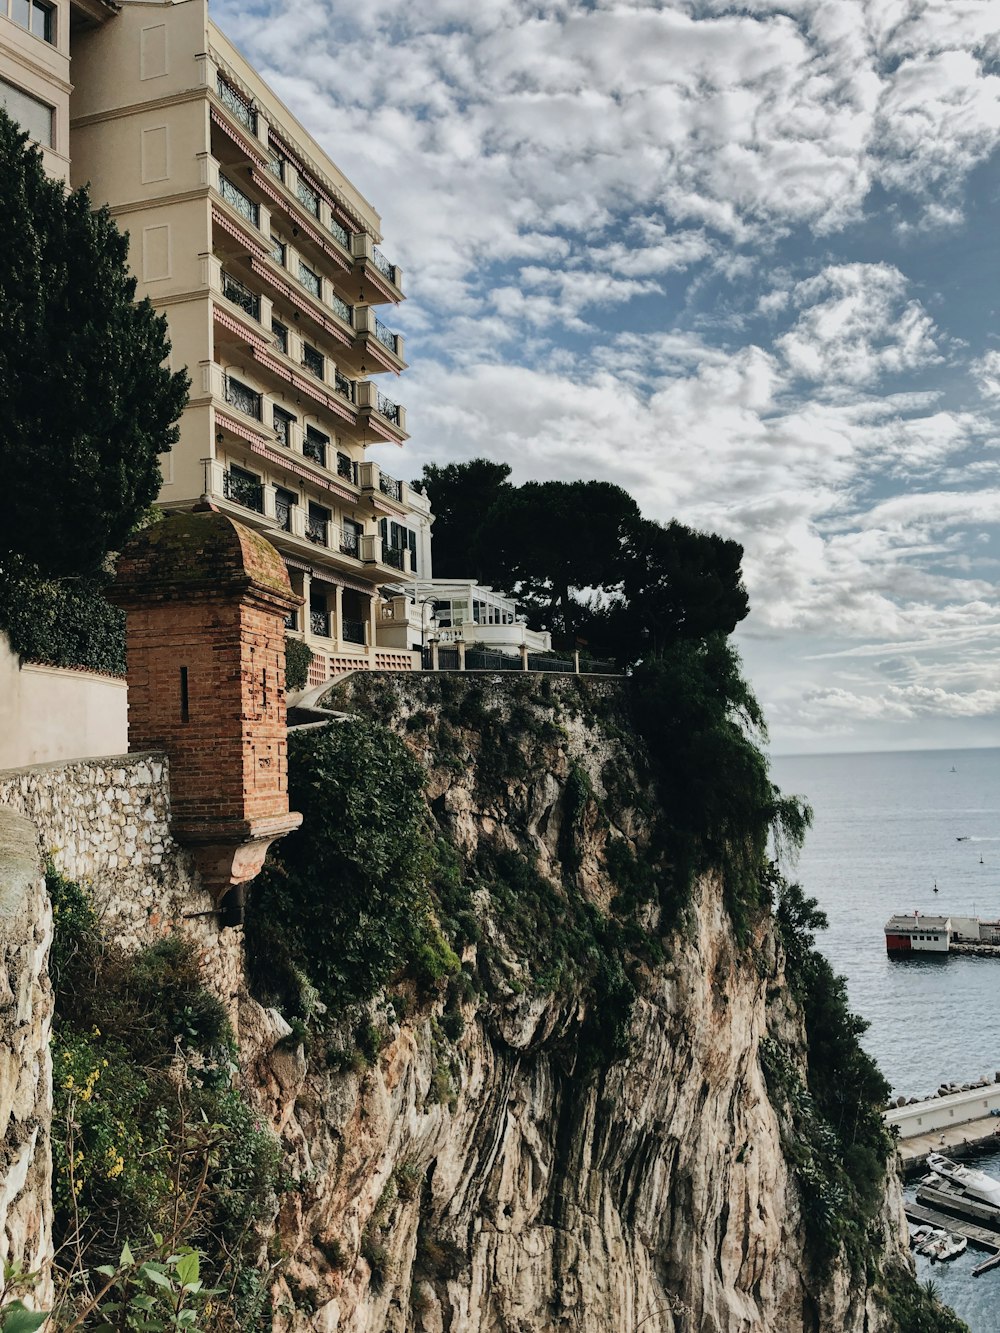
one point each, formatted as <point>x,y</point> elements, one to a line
<point>974,1133</point>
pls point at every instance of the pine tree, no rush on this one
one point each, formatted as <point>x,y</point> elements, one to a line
<point>88,402</point>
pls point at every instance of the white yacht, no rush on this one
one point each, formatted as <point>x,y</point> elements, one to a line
<point>975,1183</point>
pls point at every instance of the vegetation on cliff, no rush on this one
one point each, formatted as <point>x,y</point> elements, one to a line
<point>154,1145</point>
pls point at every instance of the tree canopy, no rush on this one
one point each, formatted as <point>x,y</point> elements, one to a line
<point>461,494</point>
<point>89,403</point>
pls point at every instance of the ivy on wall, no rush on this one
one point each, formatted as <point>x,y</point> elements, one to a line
<point>66,623</point>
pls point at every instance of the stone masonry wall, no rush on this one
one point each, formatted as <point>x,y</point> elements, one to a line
<point>105,823</point>
<point>25,1061</point>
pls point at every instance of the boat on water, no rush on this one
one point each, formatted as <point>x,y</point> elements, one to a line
<point>946,1246</point>
<point>975,1183</point>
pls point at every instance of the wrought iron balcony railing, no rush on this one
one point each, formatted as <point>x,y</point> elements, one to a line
<point>283,513</point>
<point>314,448</point>
<point>382,264</point>
<point>244,491</point>
<point>275,163</point>
<point>349,542</point>
<point>237,104</point>
<point>390,486</point>
<point>307,197</point>
<point>278,251</point>
<point>386,336</point>
<point>316,530</point>
<point>247,400</point>
<point>347,388</point>
<point>309,279</point>
<point>341,308</point>
<point>319,623</point>
<point>392,555</point>
<point>280,335</point>
<point>340,233</point>
<point>282,423</point>
<point>353,631</point>
<point>241,295</point>
<point>235,197</point>
<point>347,468</point>
<point>312,360</point>
<point>387,407</point>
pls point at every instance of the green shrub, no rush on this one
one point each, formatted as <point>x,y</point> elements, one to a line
<point>298,656</point>
<point>62,623</point>
<point>347,899</point>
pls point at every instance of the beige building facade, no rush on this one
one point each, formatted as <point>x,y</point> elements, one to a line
<point>265,260</point>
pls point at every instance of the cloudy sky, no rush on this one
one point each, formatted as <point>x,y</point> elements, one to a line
<point>740,259</point>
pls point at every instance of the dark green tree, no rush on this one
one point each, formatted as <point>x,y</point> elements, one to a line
<point>89,403</point>
<point>546,538</point>
<point>461,494</point>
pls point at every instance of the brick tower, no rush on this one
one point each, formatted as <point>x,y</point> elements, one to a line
<point>205,601</point>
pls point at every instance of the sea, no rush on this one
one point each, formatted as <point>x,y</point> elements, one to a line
<point>899,832</point>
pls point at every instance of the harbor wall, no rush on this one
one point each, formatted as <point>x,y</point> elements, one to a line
<point>957,1108</point>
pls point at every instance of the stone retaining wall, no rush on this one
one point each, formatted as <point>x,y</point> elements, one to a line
<point>106,824</point>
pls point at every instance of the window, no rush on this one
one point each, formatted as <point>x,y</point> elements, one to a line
<point>309,279</point>
<point>315,445</point>
<point>283,426</point>
<point>280,332</point>
<point>350,538</point>
<point>284,503</point>
<point>37,17</point>
<point>312,360</point>
<point>317,520</point>
<point>32,115</point>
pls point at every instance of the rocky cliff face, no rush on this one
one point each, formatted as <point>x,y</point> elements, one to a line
<point>481,1174</point>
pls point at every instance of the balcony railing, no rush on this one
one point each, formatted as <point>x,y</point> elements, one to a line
<point>309,279</point>
<point>382,264</point>
<point>235,197</point>
<point>241,295</point>
<point>312,360</point>
<point>282,427</point>
<point>316,530</point>
<point>283,513</point>
<point>275,163</point>
<point>278,252</point>
<point>387,407</point>
<point>280,336</point>
<point>341,308</point>
<point>245,399</point>
<point>349,542</point>
<point>390,486</point>
<point>238,105</point>
<point>353,631</point>
<point>307,197</point>
<point>393,555</point>
<point>347,388</point>
<point>244,491</point>
<point>314,449</point>
<point>319,623</point>
<point>340,233</point>
<point>347,468</point>
<point>386,336</point>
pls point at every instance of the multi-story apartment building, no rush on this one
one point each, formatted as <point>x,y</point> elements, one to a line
<point>35,68</point>
<point>266,261</point>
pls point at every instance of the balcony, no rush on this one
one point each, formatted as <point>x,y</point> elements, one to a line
<point>386,336</point>
<point>283,514</point>
<point>316,530</point>
<point>379,280</point>
<point>313,447</point>
<point>382,264</point>
<point>235,197</point>
<point>393,556</point>
<point>310,280</point>
<point>312,360</point>
<point>340,233</point>
<point>388,409</point>
<point>243,398</point>
<point>347,468</point>
<point>282,423</point>
<point>319,623</point>
<point>237,105</point>
<point>341,308</point>
<point>353,631</point>
<point>390,486</point>
<point>244,490</point>
<point>307,197</point>
<point>349,542</point>
<point>345,387</point>
<point>241,295</point>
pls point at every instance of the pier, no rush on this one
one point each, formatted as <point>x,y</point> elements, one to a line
<point>952,1124</point>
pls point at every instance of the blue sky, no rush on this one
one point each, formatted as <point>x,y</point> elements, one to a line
<point>741,259</point>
